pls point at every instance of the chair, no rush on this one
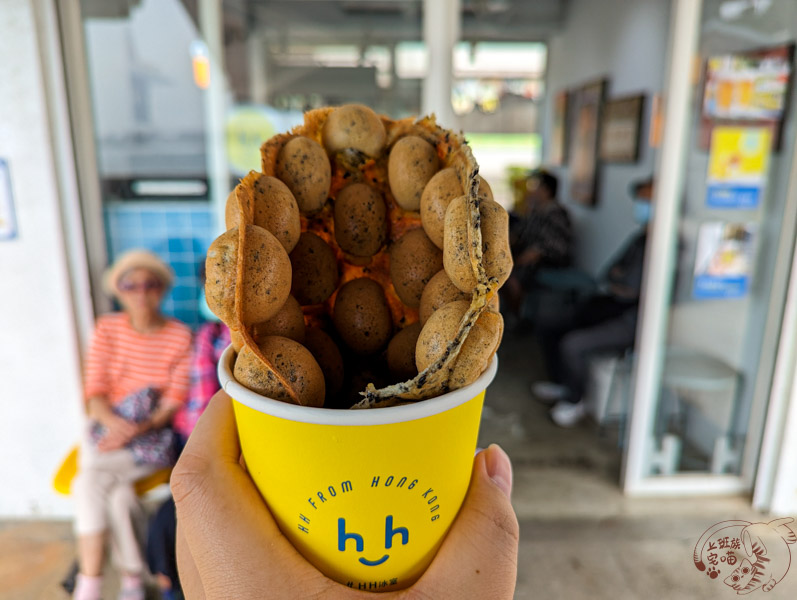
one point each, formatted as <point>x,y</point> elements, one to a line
<point>62,481</point>
<point>685,370</point>
<point>610,375</point>
<point>555,291</point>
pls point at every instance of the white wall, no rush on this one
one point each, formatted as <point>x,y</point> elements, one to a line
<point>624,41</point>
<point>39,368</point>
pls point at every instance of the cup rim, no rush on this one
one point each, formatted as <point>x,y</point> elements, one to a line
<point>329,416</point>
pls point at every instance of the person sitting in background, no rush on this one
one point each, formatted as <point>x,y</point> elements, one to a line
<point>212,339</point>
<point>542,238</point>
<point>136,379</point>
<point>605,322</point>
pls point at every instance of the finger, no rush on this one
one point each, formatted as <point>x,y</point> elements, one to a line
<point>478,558</point>
<point>190,580</point>
<point>108,443</point>
<point>117,439</point>
<point>230,533</point>
<point>122,426</point>
<point>116,435</point>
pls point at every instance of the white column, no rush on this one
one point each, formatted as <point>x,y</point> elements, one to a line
<point>660,254</point>
<point>258,67</point>
<point>84,151</point>
<point>210,24</point>
<point>441,28</point>
<point>54,52</point>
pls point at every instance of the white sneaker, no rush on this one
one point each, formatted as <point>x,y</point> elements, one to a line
<point>132,594</point>
<point>548,392</point>
<point>568,414</point>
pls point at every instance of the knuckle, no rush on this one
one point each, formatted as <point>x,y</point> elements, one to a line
<point>504,520</point>
<point>189,476</point>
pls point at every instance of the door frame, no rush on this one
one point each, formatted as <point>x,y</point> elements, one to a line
<point>660,259</point>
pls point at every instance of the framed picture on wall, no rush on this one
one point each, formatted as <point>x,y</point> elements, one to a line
<point>584,141</point>
<point>560,132</point>
<point>747,89</point>
<point>622,122</point>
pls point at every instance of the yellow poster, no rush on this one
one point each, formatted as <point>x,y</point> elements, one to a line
<point>247,128</point>
<point>737,167</point>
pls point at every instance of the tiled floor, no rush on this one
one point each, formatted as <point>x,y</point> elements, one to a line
<point>32,557</point>
<point>580,537</point>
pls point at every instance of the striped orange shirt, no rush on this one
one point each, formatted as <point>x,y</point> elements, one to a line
<point>122,361</point>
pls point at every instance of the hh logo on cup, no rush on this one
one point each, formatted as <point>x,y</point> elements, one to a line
<point>390,533</point>
<point>368,549</point>
<point>746,556</point>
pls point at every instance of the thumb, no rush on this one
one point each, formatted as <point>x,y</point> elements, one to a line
<point>478,558</point>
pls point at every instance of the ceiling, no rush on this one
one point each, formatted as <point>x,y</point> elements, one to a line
<point>363,21</point>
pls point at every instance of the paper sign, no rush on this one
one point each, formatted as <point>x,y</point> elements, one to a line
<point>737,167</point>
<point>8,222</point>
<point>248,125</point>
<point>724,260</point>
<point>752,85</point>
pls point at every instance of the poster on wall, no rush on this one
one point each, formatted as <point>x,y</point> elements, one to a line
<point>558,156</point>
<point>749,88</point>
<point>724,259</point>
<point>8,221</point>
<point>584,140</point>
<point>622,122</point>
<point>737,167</point>
<point>247,126</point>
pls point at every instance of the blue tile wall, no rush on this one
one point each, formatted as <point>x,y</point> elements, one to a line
<point>179,233</point>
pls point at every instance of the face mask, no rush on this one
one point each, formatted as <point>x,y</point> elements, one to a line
<point>204,311</point>
<point>643,211</point>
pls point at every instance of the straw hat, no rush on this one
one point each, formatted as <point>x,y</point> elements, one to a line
<point>136,259</point>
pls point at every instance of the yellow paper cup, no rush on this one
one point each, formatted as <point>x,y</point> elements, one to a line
<point>367,496</point>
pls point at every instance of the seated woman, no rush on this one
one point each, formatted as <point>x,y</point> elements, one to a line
<point>541,238</point>
<point>136,379</point>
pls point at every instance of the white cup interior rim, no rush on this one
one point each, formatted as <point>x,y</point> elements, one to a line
<point>327,416</point>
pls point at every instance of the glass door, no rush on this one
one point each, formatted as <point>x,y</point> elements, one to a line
<point>198,86</point>
<point>719,253</point>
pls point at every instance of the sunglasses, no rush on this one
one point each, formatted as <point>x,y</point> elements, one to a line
<point>150,285</point>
